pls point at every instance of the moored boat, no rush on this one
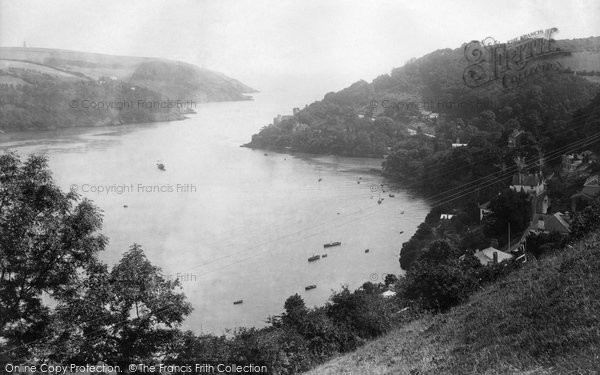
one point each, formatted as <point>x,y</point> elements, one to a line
<point>238,302</point>
<point>310,287</point>
<point>314,257</point>
<point>331,244</point>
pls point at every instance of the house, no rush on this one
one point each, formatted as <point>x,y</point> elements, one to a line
<point>484,210</point>
<point>299,127</point>
<point>411,131</point>
<point>513,138</point>
<point>547,223</point>
<point>531,183</point>
<point>458,144</point>
<point>446,216</point>
<point>388,294</point>
<point>277,120</point>
<point>590,190</point>
<point>570,163</point>
<point>492,255</point>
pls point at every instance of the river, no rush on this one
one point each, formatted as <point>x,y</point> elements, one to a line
<point>233,223</point>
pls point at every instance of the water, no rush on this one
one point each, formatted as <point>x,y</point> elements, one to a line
<point>230,222</point>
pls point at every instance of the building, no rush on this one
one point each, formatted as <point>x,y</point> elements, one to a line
<point>277,120</point>
<point>590,190</point>
<point>388,294</point>
<point>570,163</point>
<point>446,216</point>
<point>548,223</point>
<point>530,183</point>
<point>492,255</point>
<point>484,210</point>
<point>458,144</point>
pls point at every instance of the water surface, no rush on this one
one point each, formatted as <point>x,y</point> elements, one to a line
<point>230,222</point>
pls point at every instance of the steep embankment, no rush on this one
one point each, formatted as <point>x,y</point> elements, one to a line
<point>48,88</point>
<point>542,319</point>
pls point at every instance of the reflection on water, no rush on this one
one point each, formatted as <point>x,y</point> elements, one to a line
<point>232,223</point>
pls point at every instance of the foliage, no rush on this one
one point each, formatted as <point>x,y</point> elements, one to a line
<point>437,280</point>
<point>46,238</point>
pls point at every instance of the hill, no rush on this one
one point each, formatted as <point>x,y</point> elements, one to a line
<point>541,319</point>
<point>370,119</point>
<point>50,88</point>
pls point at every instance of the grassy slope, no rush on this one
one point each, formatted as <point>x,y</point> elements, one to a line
<point>543,319</point>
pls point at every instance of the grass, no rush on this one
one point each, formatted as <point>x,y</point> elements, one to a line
<point>541,319</point>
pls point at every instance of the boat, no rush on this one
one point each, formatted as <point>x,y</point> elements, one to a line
<point>124,206</point>
<point>324,255</point>
<point>379,201</point>
<point>238,302</point>
<point>392,195</point>
<point>310,287</point>
<point>160,166</point>
<point>320,179</point>
<point>401,231</point>
<point>366,250</point>
<point>358,182</point>
<point>314,257</point>
<point>402,213</point>
<point>266,154</point>
<point>331,244</point>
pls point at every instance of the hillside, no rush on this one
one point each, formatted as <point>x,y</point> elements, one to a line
<point>369,119</point>
<point>49,88</point>
<point>541,319</point>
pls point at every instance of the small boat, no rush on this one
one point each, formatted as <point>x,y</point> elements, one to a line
<point>320,179</point>
<point>331,244</point>
<point>401,231</point>
<point>366,250</point>
<point>379,201</point>
<point>392,195</point>
<point>402,213</point>
<point>160,166</point>
<point>238,302</point>
<point>358,182</point>
<point>310,287</point>
<point>324,256</point>
<point>266,154</point>
<point>314,257</point>
<point>360,178</point>
<point>124,206</point>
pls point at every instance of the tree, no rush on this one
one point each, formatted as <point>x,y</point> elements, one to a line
<point>509,207</point>
<point>46,238</point>
<point>586,221</point>
<point>436,281</point>
<point>128,315</point>
<point>295,311</point>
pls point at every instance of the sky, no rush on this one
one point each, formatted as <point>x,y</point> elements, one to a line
<point>331,43</point>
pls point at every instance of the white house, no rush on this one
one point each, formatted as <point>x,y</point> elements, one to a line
<point>491,255</point>
<point>531,183</point>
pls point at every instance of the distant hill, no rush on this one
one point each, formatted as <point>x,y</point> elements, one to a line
<point>39,87</point>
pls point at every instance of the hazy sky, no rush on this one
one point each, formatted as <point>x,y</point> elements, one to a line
<point>252,40</point>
